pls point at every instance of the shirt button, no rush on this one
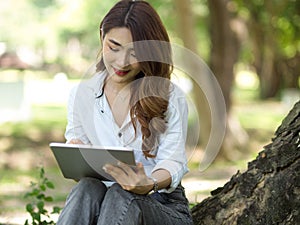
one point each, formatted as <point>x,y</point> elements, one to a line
<point>101,111</point>
<point>120,134</point>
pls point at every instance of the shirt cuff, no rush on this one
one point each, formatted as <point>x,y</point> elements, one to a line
<point>177,171</point>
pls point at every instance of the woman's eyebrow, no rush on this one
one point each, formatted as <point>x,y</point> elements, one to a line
<point>118,44</point>
<point>114,42</point>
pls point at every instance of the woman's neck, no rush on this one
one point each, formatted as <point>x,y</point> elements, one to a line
<point>115,87</point>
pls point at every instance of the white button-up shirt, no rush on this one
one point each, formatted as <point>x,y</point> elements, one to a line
<point>90,119</point>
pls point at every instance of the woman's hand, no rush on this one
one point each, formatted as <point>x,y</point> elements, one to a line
<point>133,180</point>
<point>75,141</point>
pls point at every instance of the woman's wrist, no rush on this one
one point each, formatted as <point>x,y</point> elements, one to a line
<point>155,184</point>
<point>152,184</point>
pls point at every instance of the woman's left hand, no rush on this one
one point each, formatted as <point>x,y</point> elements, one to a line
<point>133,180</point>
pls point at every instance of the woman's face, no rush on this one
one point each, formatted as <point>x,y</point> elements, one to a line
<point>119,55</point>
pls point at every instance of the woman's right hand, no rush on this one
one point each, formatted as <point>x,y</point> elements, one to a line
<point>75,141</point>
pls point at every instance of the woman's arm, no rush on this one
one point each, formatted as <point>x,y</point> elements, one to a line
<point>163,178</point>
<point>74,133</point>
<point>171,155</point>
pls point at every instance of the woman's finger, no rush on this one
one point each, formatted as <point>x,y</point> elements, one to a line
<point>140,169</point>
<point>114,171</point>
<point>127,169</point>
<point>118,174</point>
<point>75,141</point>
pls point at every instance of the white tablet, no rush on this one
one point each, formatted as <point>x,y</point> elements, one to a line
<point>76,161</point>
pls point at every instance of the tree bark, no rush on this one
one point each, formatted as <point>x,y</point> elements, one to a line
<point>268,192</point>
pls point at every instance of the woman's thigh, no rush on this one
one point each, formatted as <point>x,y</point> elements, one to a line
<point>126,208</point>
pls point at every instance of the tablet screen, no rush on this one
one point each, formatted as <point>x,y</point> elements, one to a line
<point>77,161</point>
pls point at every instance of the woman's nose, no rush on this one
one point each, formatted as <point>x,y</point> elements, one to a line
<point>122,59</point>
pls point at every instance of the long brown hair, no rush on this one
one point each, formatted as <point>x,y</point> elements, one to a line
<point>152,47</point>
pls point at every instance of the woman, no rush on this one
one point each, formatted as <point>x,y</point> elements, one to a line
<point>130,102</point>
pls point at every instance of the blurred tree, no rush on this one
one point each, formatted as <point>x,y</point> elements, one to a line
<point>225,42</point>
<point>78,33</point>
<point>186,31</point>
<point>226,34</point>
<point>17,18</point>
<point>274,28</point>
<point>27,27</point>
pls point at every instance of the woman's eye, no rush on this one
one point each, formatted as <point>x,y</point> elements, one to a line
<point>133,55</point>
<point>113,49</point>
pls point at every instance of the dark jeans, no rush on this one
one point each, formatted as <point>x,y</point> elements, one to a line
<point>90,202</point>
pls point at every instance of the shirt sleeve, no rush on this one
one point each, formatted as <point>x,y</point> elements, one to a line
<point>74,128</point>
<point>171,154</point>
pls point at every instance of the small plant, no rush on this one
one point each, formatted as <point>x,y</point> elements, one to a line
<point>36,208</point>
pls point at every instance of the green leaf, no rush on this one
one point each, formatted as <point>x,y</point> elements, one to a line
<point>29,207</point>
<point>37,210</point>
<point>44,222</point>
<point>32,184</point>
<point>42,172</point>
<point>44,212</point>
<point>40,205</point>
<point>48,199</point>
<point>43,187</point>
<point>50,185</point>
<point>36,216</point>
<point>35,191</point>
<point>40,196</point>
<point>56,209</point>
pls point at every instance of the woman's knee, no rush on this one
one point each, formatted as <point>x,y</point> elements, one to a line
<point>117,192</point>
<point>90,186</point>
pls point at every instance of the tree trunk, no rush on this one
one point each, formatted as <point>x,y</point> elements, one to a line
<point>268,192</point>
<point>265,48</point>
<point>290,68</point>
<point>186,31</point>
<point>225,46</point>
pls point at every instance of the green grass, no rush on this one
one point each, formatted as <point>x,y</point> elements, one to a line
<point>243,95</point>
<point>13,176</point>
<point>47,124</point>
<point>17,183</point>
<point>257,116</point>
<point>49,114</point>
<point>254,113</point>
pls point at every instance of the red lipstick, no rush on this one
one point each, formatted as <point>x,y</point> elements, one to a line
<point>121,72</point>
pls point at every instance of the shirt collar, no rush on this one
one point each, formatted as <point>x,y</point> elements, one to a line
<point>96,83</point>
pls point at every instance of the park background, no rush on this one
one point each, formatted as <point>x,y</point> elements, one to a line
<point>46,47</point>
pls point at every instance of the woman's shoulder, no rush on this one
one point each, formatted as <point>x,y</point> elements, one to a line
<point>177,100</point>
<point>176,92</point>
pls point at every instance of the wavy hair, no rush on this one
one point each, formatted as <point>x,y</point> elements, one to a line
<point>152,47</point>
